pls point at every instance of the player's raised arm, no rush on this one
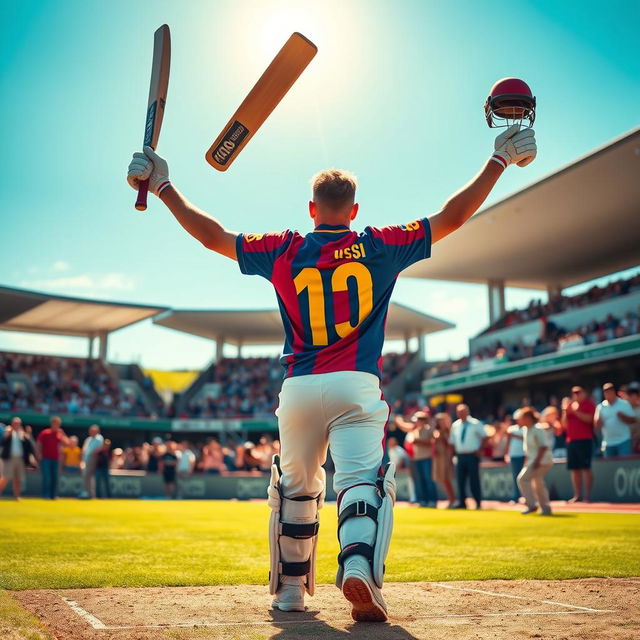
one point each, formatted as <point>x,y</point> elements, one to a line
<point>203,227</point>
<point>515,145</point>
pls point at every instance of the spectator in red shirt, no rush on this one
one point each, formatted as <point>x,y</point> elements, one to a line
<point>577,419</point>
<point>49,446</point>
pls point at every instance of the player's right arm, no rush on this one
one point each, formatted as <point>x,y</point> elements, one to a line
<point>513,146</point>
<point>203,227</point>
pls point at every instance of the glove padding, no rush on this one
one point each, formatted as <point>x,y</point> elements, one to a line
<point>148,165</point>
<point>515,145</point>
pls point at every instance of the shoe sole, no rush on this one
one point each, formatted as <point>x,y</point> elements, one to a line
<point>281,606</point>
<point>364,606</point>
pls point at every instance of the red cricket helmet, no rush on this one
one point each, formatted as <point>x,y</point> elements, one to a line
<point>510,99</point>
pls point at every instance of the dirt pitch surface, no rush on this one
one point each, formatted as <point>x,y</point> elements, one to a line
<point>588,609</point>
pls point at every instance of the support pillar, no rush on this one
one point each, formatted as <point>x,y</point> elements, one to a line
<point>554,290</point>
<point>406,343</point>
<point>422,347</point>
<point>239,354</point>
<point>90,352</point>
<point>219,348</point>
<point>495,289</point>
<point>103,344</point>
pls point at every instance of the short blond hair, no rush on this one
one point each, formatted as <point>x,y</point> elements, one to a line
<point>334,189</point>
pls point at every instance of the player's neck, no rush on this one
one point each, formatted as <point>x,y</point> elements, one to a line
<point>331,221</point>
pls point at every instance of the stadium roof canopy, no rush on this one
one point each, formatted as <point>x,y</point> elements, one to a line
<point>22,310</point>
<point>579,223</point>
<point>264,327</point>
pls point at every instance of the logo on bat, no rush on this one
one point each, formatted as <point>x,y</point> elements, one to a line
<point>230,143</point>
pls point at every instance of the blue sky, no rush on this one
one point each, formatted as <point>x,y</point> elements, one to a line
<point>395,94</point>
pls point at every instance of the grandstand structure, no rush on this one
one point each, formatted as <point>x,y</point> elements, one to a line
<point>576,225</point>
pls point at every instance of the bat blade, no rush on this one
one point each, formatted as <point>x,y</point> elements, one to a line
<point>271,87</point>
<point>157,99</point>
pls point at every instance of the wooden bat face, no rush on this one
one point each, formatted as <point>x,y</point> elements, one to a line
<point>272,86</point>
<point>157,99</point>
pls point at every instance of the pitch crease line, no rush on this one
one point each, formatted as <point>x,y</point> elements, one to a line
<point>515,597</point>
<point>85,615</point>
<point>189,625</point>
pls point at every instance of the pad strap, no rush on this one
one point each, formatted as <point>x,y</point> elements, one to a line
<point>299,531</point>
<point>356,549</point>
<point>295,568</point>
<point>357,509</point>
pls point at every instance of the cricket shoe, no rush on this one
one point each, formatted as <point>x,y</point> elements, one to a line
<point>290,594</point>
<point>359,589</point>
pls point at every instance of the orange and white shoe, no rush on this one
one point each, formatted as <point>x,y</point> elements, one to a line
<point>360,590</point>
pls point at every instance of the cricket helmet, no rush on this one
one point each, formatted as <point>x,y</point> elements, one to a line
<point>510,99</point>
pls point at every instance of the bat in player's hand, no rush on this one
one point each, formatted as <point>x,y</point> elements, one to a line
<point>272,86</point>
<point>157,100</point>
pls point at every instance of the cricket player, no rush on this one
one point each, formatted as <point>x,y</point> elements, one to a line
<point>333,287</point>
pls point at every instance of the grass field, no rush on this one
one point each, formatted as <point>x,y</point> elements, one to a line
<point>69,543</point>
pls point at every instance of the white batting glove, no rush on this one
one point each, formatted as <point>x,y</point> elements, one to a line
<point>149,165</point>
<point>515,146</point>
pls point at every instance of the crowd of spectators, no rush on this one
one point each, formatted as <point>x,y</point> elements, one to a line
<point>558,304</point>
<point>50,384</point>
<point>238,387</point>
<point>577,428</point>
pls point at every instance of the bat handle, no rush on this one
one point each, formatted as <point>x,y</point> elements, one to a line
<point>143,189</point>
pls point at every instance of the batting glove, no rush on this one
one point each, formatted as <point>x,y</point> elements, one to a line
<point>515,145</point>
<point>149,165</point>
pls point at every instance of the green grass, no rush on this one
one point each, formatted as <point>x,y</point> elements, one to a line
<point>72,543</point>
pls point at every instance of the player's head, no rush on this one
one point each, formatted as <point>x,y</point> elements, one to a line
<point>333,197</point>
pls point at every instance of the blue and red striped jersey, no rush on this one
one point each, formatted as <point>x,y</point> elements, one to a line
<point>333,287</point>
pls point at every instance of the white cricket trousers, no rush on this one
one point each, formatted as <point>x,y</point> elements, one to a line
<point>344,411</point>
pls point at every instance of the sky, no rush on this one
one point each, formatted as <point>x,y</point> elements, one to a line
<point>395,94</point>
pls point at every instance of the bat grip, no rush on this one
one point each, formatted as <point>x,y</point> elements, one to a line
<point>143,189</point>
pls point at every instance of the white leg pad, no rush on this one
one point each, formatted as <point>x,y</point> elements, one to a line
<point>293,535</point>
<point>365,523</point>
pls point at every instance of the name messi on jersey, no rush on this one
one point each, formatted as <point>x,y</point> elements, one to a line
<point>354,252</point>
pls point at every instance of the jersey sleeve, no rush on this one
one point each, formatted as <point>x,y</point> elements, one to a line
<point>404,244</point>
<point>257,252</point>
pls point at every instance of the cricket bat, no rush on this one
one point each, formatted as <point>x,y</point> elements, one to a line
<point>157,99</point>
<point>272,86</point>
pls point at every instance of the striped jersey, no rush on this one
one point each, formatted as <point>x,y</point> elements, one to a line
<point>333,287</point>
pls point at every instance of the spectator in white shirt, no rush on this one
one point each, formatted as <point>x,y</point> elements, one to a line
<point>397,454</point>
<point>468,437</point>
<point>92,444</point>
<point>515,449</point>
<point>185,467</point>
<point>615,417</point>
<point>538,440</point>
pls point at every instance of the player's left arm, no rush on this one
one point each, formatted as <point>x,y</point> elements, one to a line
<point>202,226</point>
<point>513,146</point>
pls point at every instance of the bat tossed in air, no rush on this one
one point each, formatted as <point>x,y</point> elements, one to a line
<point>272,86</point>
<point>157,99</point>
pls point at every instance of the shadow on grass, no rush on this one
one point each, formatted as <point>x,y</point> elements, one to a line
<point>310,626</point>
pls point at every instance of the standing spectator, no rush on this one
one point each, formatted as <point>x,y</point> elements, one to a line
<point>443,470</point>
<point>422,431</point>
<point>538,439</point>
<point>16,452</point>
<point>634,400</point>
<point>156,453</point>
<point>397,454</point>
<point>71,456</point>
<point>468,438</point>
<point>186,465</point>
<point>3,426</point>
<point>103,464</point>
<point>577,419</point>
<point>49,447</point>
<point>90,447</point>
<point>168,463</point>
<point>515,449</point>
<point>614,416</point>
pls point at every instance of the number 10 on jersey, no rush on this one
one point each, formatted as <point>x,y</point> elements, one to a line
<point>310,279</point>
